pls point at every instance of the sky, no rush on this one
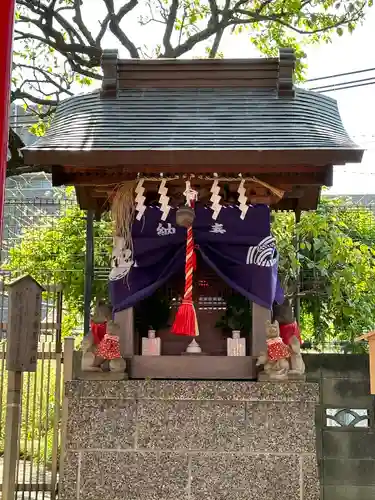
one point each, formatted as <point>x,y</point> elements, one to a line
<point>357,106</point>
<point>344,54</point>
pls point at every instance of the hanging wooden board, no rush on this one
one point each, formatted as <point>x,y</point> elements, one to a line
<point>25,302</point>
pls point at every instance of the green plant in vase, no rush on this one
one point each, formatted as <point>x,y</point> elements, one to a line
<point>237,315</point>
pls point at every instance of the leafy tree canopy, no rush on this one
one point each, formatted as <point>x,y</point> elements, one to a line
<point>336,262</point>
<point>58,43</point>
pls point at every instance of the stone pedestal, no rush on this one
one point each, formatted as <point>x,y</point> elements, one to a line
<point>192,440</point>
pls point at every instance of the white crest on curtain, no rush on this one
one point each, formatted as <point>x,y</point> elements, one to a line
<point>264,254</point>
<point>121,261</point>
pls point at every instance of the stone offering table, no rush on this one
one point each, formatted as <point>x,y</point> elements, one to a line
<point>190,440</point>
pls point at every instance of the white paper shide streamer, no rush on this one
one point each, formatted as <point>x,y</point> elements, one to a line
<point>190,194</point>
<point>140,206</point>
<point>215,199</point>
<point>164,200</point>
<point>242,199</point>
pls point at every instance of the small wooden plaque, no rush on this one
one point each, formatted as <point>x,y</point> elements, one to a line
<point>25,302</point>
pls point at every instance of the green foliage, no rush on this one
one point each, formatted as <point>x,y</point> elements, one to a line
<point>38,418</point>
<point>283,228</point>
<point>337,265</point>
<point>53,252</point>
<point>237,315</point>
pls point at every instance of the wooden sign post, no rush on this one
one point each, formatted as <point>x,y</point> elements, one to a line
<point>25,302</point>
<point>370,337</point>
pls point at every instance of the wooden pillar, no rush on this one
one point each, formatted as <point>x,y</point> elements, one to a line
<point>59,365</point>
<point>89,269</point>
<point>68,376</point>
<point>125,320</point>
<point>370,338</point>
<point>258,339</point>
<point>6,40</point>
<point>372,364</point>
<point>11,444</point>
<point>297,300</point>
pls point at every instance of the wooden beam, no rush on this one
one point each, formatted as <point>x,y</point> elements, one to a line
<point>106,178</point>
<point>193,367</point>
<point>110,78</point>
<point>308,202</point>
<point>370,338</point>
<point>255,169</point>
<point>211,73</point>
<point>372,364</point>
<point>215,160</point>
<point>125,319</point>
<point>287,63</point>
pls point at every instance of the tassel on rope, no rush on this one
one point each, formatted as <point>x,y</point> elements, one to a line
<point>185,322</point>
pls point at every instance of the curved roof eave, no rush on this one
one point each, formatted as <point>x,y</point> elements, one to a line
<point>252,124</point>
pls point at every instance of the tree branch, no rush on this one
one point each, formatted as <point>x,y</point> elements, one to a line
<point>48,76</point>
<point>170,22</point>
<point>253,16</point>
<point>220,31</point>
<point>19,94</point>
<point>81,25</point>
<point>215,46</point>
<point>114,25</point>
<point>59,43</point>
<point>103,29</point>
<point>193,40</point>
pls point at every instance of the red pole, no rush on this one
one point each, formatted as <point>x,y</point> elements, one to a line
<point>6,38</point>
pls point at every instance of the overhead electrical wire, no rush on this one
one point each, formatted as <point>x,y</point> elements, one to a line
<point>337,75</point>
<point>345,85</point>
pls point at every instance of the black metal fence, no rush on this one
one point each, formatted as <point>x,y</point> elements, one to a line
<point>31,229</point>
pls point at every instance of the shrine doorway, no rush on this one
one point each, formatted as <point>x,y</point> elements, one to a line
<point>219,311</point>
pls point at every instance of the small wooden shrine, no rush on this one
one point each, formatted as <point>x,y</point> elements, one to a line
<point>227,137</point>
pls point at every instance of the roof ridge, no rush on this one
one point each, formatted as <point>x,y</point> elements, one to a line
<point>277,73</point>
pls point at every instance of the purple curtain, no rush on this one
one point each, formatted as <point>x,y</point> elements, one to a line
<point>242,253</point>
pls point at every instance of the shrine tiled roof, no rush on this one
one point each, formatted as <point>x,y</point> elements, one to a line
<point>196,119</point>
